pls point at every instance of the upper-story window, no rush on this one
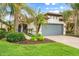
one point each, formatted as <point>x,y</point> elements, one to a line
<point>53,17</point>
<point>57,17</point>
<point>48,16</point>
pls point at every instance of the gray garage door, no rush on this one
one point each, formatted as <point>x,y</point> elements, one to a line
<point>52,29</point>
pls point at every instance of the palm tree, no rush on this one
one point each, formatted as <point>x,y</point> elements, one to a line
<point>39,20</point>
<point>2,13</point>
<point>68,20</point>
<point>16,10</point>
<point>66,14</point>
<point>75,7</point>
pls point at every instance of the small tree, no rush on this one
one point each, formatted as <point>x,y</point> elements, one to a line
<point>66,14</point>
<point>15,10</point>
<point>39,20</point>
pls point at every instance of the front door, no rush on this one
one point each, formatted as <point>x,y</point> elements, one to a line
<point>25,28</point>
<point>22,28</point>
<point>19,28</point>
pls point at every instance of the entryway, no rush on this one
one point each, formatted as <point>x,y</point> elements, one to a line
<point>22,28</point>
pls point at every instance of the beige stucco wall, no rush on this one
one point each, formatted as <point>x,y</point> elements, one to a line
<point>31,26</point>
<point>3,25</point>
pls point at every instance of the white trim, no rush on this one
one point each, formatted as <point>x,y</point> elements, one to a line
<point>21,27</point>
<point>40,31</point>
<point>64,28</point>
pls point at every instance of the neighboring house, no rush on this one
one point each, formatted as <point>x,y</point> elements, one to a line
<point>54,25</point>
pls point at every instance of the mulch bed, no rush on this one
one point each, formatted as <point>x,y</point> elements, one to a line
<point>34,42</point>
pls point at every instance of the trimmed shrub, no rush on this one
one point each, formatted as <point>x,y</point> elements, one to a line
<point>2,29</point>
<point>2,34</point>
<point>33,38</point>
<point>15,37</point>
<point>29,34</point>
<point>40,37</point>
<point>37,37</point>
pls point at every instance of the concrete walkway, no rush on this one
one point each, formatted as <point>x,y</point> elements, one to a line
<point>68,40</point>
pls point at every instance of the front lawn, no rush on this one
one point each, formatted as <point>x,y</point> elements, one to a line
<point>46,49</point>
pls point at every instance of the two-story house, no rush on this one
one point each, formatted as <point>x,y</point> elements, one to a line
<point>54,26</point>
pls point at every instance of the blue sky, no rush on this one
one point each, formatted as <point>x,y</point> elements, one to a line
<point>47,7</point>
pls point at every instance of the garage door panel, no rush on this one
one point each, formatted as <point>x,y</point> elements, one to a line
<point>52,29</point>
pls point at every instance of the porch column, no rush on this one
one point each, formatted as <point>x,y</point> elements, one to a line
<point>16,27</point>
<point>21,27</point>
<point>16,24</point>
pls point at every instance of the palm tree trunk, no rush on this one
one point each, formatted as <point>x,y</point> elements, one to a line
<point>0,22</point>
<point>15,22</point>
<point>1,25</point>
<point>75,27</point>
<point>38,28</point>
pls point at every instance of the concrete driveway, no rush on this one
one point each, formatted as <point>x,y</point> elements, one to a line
<point>68,40</point>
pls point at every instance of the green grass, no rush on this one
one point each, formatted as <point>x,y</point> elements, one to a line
<point>47,49</point>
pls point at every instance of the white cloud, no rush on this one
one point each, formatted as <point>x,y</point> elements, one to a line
<point>61,10</point>
<point>54,8</point>
<point>61,7</point>
<point>54,11</point>
<point>47,3</point>
<point>50,3</point>
<point>9,18</point>
<point>71,9</point>
<point>47,8</point>
<point>53,3</point>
